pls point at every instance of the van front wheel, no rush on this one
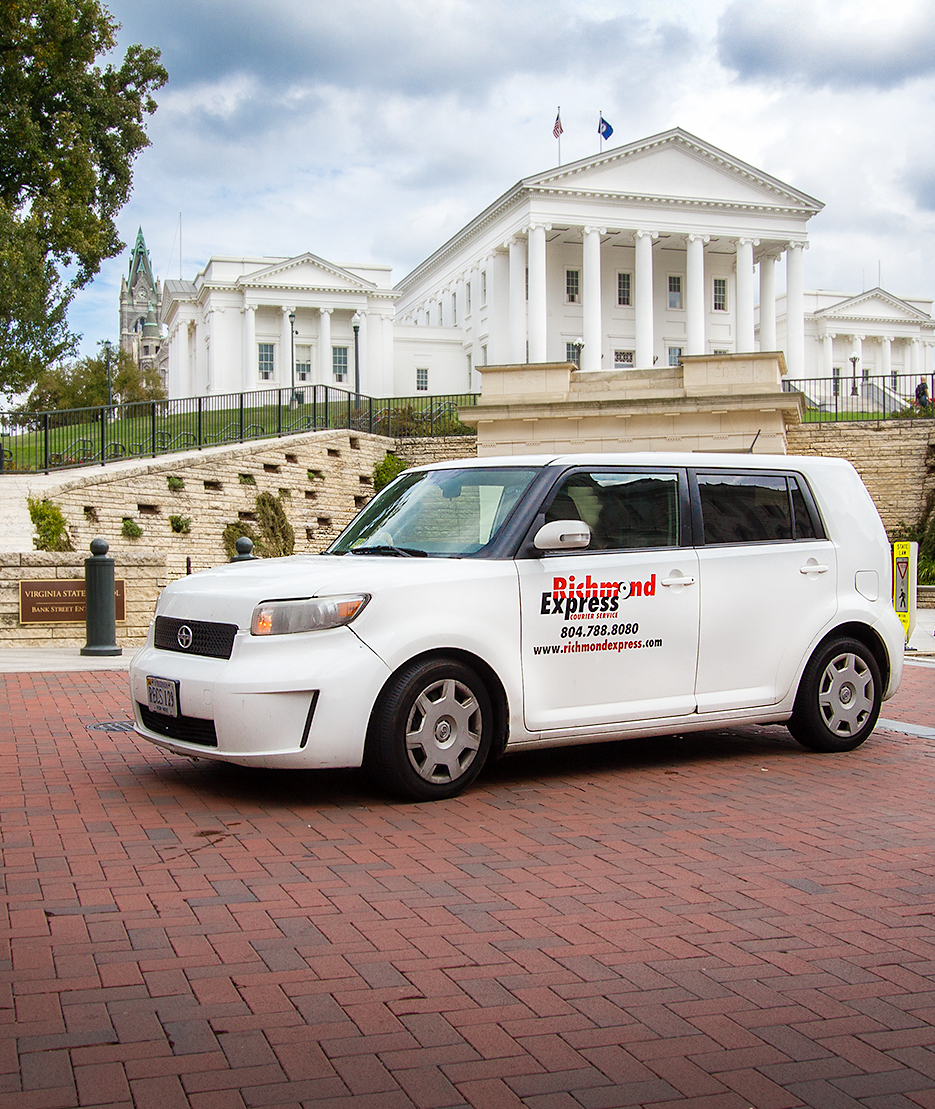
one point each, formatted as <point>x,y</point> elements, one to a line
<point>839,697</point>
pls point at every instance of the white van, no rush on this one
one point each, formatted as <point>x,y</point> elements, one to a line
<point>481,607</point>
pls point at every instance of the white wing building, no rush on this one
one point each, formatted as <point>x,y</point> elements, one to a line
<point>625,260</point>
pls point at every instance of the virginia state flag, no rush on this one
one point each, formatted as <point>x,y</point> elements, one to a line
<point>604,129</point>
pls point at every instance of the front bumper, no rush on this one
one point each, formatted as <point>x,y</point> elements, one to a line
<point>279,701</point>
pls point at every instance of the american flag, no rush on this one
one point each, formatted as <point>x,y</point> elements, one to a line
<point>558,129</point>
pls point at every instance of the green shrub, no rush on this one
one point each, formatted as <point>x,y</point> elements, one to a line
<point>384,472</point>
<point>181,525</point>
<point>315,475</point>
<point>176,484</point>
<point>51,528</point>
<point>130,528</point>
<point>233,532</point>
<point>247,479</point>
<point>276,535</point>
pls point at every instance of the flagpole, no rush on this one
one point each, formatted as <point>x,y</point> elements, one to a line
<point>600,116</point>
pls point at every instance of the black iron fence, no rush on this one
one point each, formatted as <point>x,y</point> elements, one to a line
<point>34,442</point>
<point>865,396</point>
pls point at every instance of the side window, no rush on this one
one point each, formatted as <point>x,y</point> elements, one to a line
<point>745,508</point>
<point>623,510</point>
<point>804,525</point>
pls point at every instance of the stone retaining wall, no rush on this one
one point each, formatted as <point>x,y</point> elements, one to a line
<point>895,458</point>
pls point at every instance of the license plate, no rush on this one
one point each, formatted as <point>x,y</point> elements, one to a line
<point>163,694</point>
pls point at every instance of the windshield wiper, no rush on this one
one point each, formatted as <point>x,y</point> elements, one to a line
<point>399,552</point>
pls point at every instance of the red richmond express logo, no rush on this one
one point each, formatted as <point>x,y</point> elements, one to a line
<point>570,597</point>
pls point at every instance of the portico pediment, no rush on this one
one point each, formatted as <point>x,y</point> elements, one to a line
<point>875,304</point>
<point>305,271</point>
<point>677,167</point>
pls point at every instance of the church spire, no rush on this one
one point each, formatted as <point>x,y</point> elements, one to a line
<point>140,267</point>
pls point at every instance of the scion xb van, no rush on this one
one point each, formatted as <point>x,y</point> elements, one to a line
<point>481,607</point>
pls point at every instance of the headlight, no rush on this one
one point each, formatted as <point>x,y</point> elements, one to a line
<point>311,614</point>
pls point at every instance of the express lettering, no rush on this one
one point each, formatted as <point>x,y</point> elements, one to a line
<point>569,597</point>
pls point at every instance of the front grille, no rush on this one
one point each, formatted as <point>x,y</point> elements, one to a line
<point>186,729</point>
<point>208,638</point>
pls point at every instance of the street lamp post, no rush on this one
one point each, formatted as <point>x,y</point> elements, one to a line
<point>294,400</point>
<point>355,322</point>
<point>110,391</point>
<point>854,359</point>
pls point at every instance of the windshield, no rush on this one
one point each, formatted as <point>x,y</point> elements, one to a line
<point>436,512</point>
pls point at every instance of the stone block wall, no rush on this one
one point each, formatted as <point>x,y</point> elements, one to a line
<point>143,571</point>
<point>895,458</point>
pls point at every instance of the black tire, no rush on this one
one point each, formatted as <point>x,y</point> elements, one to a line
<point>431,731</point>
<point>839,697</point>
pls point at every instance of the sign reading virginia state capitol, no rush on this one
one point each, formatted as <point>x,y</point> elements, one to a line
<point>61,601</point>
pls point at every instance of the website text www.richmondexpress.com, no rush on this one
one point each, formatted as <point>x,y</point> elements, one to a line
<point>597,645</point>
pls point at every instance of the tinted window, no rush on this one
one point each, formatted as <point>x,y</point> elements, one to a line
<point>623,510</point>
<point>745,508</point>
<point>804,525</point>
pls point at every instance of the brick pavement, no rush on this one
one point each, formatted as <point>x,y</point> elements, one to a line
<point>721,921</point>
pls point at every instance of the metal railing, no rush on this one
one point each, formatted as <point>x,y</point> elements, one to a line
<point>38,442</point>
<point>863,396</point>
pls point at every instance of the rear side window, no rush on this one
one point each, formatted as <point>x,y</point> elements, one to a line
<point>623,510</point>
<point>753,508</point>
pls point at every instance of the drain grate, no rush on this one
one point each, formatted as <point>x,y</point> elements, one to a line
<point>111,726</point>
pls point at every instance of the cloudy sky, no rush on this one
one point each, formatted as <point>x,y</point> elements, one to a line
<point>372,130</point>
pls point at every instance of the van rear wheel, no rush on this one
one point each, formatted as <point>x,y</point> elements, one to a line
<point>839,697</point>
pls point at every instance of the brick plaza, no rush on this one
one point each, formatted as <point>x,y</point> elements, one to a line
<point>720,920</point>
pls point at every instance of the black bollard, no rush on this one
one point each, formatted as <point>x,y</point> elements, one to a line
<point>244,548</point>
<point>99,607</point>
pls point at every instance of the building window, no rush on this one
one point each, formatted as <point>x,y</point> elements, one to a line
<point>339,363</point>
<point>675,355</point>
<point>454,309</point>
<point>467,298</point>
<point>422,380</point>
<point>623,290</point>
<point>625,358</point>
<point>266,365</point>
<point>483,355</point>
<point>483,287</point>
<point>146,350</point>
<point>303,363</point>
<point>675,291</point>
<point>572,287</point>
<point>527,282</point>
<point>720,294</point>
<point>721,350</point>
<point>573,353</point>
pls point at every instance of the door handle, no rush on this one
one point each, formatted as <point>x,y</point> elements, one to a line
<point>813,568</point>
<point>677,579</point>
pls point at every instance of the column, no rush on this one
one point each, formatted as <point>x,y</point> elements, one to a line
<point>694,294</point>
<point>643,301</point>
<point>591,303</point>
<point>795,310</point>
<point>768,303</point>
<point>325,369</point>
<point>745,314</point>
<point>287,344</point>
<point>827,355</point>
<point>914,359</point>
<point>249,378</point>
<point>886,359</point>
<point>538,305</point>
<point>517,300</point>
<point>498,309</point>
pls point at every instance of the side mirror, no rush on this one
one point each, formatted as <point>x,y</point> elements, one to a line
<point>562,535</point>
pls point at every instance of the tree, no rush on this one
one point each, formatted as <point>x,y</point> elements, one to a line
<point>69,134</point>
<point>83,384</point>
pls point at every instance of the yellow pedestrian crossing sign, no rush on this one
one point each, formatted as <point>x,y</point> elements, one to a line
<point>905,560</point>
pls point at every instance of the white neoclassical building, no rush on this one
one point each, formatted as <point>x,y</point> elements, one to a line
<point>625,260</point>
<point>865,334</point>
<point>630,258</point>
